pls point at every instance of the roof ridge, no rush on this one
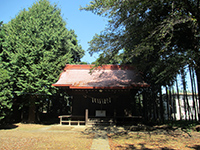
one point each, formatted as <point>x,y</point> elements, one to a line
<point>104,67</point>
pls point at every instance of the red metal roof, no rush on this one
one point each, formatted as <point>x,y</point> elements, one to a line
<point>103,77</point>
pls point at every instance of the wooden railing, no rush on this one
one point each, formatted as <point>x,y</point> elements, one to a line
<point>70,120</point>
<point>78,120</point>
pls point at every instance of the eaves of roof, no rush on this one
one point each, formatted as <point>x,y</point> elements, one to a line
<point>103,77</point>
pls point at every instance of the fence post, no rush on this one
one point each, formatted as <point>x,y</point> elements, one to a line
<point>86,117</point>
<point>60,120</point>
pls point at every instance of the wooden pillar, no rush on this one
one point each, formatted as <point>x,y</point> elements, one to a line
<point>86,117</point>
<point>32,107</point>
<point>60,120</point>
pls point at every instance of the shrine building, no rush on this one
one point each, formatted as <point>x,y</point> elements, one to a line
<point>106,91</point>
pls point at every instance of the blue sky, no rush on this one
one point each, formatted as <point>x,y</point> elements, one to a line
<point>85,24</point>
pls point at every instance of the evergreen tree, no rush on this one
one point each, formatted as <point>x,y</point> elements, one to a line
<point>1,35</point>
<point>5,85</point>
<point>37,46</point>
<point>159,36</point>
<point>5,94</point>
<point>157,33</point>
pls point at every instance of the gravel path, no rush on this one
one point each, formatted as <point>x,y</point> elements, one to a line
<point>100,141</point>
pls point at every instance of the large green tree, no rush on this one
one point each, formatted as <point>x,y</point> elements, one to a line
<point>1,35</point>
<point>5,86</point>
<point>37,45</point>
<point>155,31</point>
<point>159,36</point>
<point>6,95</point>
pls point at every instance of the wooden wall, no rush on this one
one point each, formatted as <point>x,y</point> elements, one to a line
<point>115,102</point>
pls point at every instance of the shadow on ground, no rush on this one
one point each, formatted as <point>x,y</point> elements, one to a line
<point>197,147</point>
<point>8,127</point>
<point>131,146</point>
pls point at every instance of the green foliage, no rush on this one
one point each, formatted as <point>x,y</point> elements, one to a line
<point>159,37</point>
<point>5,84</point>
<point>37,46</point>
<point>1,35</point>
<point>5,93</point>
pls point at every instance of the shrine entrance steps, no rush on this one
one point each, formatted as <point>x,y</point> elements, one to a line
<point>114,121</point>
<point>100,121</point>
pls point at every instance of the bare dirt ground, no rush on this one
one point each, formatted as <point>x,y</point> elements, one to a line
<point>32,136</point>
<point>173,139</point>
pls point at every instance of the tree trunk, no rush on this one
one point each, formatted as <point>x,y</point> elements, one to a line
<point>178,97</point>
<point>161,105</point>
<point>184,93</point>
<point>154,102</point>
<point>173,103</point>
<point>193,99</point>
<point>167,100</point>
<point>140,109</point>
<point>157,111</point>
<point>31,116</point>
<point>195,94</point>
<point>198,87</point>
<point>170,103</point>
<point>145,106</point>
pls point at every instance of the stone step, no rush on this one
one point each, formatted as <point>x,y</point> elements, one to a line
<point>100,121</point>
